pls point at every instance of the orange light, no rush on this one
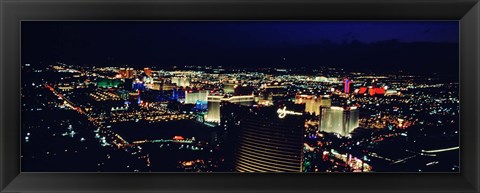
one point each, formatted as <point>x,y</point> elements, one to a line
<point>177,137</point>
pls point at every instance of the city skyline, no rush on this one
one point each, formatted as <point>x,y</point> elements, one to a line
<point>299,113</point>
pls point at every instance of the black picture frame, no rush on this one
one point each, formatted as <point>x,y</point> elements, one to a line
<point>14,11</point>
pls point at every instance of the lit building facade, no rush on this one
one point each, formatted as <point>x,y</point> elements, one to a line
<point>264,142</point>
<point>122,72</point>
<point>213,112</point>
<point>339,120</point>
<point>214,102</point>
<point>161,86</point>
<point>126,72</point>
<point>191,97</point>
<point>130,73</point>
<point>181,81</point>
<point>313,103</point>
<point>347,85</point>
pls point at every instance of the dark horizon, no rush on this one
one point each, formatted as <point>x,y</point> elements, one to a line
<point>420,47</point>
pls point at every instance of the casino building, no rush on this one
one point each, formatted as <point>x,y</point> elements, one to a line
<point>264,142</point>
<point>192,96</point>
<point>313,103</point>
<point>338,120</point>
<point>181,81</point>
<point>214,104</point>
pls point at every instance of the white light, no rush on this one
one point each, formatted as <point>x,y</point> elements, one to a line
<point>283,112</point>
<point>336,108</point>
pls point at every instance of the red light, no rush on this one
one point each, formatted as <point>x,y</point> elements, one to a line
<point>177,137</point>
<point>380,91</point>
<point>362,90</point>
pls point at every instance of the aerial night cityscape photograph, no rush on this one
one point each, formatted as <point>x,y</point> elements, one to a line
<point>240,96</point>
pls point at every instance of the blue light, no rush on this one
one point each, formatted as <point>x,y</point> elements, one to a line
<point>201,105</point>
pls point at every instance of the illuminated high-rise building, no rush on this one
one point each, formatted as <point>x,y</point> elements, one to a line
<point>181,81</point>
<point>313,103</point>
<point>160,86</point>
<point>213,114</point>
<point>130,73</point>
<point>266,139</point>
<point>213,106</point>
<point>313,106</point>
<point>339,120</point>
<point>326,101</point>
<point>347,85</point>
<point>192,96</point>
<point>123,72</point>
<point>301,99</point>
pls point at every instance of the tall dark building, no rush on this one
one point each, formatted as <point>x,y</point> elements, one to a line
<point>128,84</point>
<point>240,90</point>
<point>268,139</point>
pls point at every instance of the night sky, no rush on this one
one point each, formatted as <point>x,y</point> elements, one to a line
<point>395,45</point>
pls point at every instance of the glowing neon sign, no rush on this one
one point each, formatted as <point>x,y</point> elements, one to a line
<point>283,112</point>
<point>347,85</point>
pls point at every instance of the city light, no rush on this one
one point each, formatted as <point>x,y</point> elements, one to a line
<point>240,102</point>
